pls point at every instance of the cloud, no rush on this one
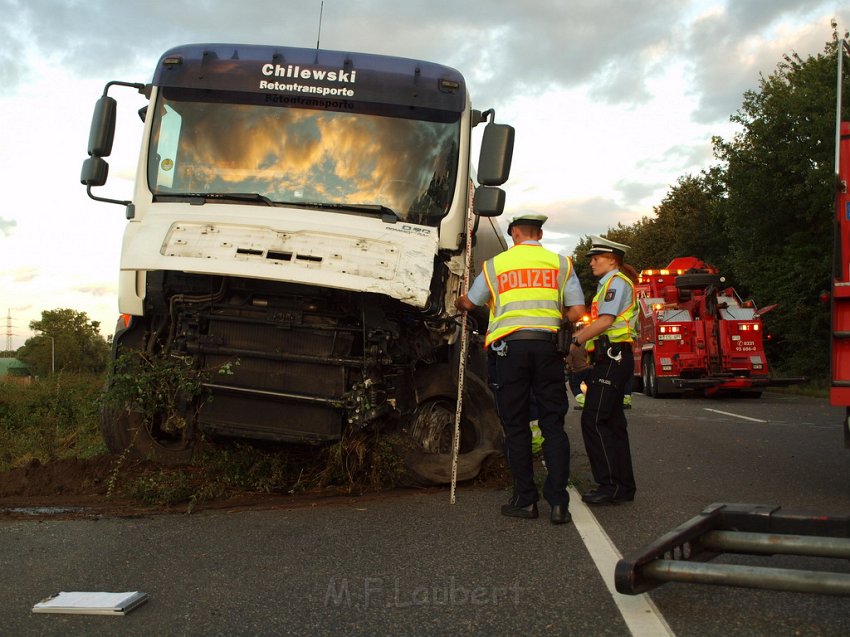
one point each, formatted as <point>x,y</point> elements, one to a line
<point>6,226</point>
<point>634,191</point>
<point>680,157</point>
<point>10,71</point>
<point>730,47</point>
<point>103,289</point>
<point>504,46</point>
<point>571,220</point>
<point>25,275</point>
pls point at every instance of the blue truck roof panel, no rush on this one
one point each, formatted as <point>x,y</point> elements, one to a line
<point>313,73</point>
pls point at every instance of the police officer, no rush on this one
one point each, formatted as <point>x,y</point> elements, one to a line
<point>526,288</point>
<point>608,340</point>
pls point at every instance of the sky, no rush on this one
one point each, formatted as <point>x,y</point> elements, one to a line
<point>612,100</point>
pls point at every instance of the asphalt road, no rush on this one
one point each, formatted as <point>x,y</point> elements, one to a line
<point>410,563</point>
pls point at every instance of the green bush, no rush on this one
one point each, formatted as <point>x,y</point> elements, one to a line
<point>51,418</point>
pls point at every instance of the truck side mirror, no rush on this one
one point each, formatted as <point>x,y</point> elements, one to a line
<point>488,201</point>
<point>102,132</point>
<point>101,135</point>
<point>94,172</point>
<point>497,148</point>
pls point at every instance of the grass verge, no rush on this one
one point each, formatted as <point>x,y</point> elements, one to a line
<point>49,419</point>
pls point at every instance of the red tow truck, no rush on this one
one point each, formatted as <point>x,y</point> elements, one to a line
<point>839,391</point>
<point>693,333</point>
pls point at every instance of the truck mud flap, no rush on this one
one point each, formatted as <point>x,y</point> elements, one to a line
<point>744,529</point>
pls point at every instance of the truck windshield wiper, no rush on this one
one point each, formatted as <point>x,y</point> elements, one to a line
<point>386,214</point>
<point>200,198</point>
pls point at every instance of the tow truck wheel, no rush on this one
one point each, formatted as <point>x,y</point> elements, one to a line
<point>650,382</point>
<point>428,459</point>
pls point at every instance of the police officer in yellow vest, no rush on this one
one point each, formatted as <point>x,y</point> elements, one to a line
<point>608,340</point>
<point>527,288</point>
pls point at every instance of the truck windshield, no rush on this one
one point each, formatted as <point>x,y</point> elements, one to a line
<point>349,156</point>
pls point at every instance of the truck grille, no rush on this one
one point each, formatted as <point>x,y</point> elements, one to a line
<point>290,375</point>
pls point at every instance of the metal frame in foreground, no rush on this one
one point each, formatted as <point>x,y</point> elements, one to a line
<point>751,529</point>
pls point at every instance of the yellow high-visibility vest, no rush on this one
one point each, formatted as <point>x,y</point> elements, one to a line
<point>526,290</point>
<point>622,330</point>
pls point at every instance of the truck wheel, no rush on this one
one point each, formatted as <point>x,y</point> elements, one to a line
<point>428,459</point>
<point>650,381</point>
<point>126,431</point>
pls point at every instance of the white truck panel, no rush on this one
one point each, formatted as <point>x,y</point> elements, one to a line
<point>397,262</point>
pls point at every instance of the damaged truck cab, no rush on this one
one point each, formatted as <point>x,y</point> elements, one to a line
<point>303,213</point>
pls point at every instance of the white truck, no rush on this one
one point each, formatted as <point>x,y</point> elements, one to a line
<point>304,212</point>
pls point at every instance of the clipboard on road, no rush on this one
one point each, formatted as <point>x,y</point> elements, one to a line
<point>91,603</point>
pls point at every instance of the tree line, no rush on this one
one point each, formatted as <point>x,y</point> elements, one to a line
<point>66,341</point>
<point>764,214</point>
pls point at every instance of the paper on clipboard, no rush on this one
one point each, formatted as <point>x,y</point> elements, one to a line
<point>91,603</point>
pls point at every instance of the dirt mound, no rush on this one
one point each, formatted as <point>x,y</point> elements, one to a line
<point>71,488</point>
<point>69,476</point>
<point>68,484</point>
<point>75,487</point>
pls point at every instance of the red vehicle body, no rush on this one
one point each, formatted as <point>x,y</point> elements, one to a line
<point>695,334</point>
<point>839,392</point>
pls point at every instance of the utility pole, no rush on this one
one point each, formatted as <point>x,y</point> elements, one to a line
<point>842,45</point>
<point>8,332</point>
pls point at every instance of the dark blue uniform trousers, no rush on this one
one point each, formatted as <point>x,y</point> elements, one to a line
<point>603,424</point>
<point>533,366</point>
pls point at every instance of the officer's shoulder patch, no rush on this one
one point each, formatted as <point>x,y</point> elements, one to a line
<point>610,294</point>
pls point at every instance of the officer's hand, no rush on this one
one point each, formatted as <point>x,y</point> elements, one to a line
<point>463,303</point>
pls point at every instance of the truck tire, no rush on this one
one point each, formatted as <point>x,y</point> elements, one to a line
<point>125,431</point>
<point>650,381</point>
<point>696,281</point>
<point>428,459</point>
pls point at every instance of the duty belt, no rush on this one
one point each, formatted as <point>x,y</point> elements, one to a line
<point>530,335</point>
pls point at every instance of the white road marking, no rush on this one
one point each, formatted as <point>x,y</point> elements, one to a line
<point>726,413</point>
<point>640,613</point>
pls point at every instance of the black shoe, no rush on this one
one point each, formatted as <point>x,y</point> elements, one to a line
<point>529,512</point>
<point>601,497</point>
<point>597,497</point>
<point>560,514</point>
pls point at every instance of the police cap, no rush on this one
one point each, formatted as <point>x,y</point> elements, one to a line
<point>527,220</point>
<point>601,245</point>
